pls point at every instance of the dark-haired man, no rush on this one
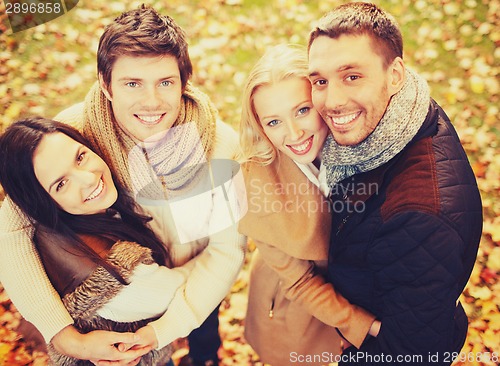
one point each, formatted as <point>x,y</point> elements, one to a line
<point>405,249</point>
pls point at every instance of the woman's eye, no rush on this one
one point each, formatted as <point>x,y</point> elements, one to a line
<point>303,111</point>
<point>132,84</point>
<point>60,185</point>
<point>273,123</point>
<point>166,83</point>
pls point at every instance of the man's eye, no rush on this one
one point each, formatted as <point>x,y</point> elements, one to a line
<point>352,77</point>
<point>320,82</point>
<point>81,157</point>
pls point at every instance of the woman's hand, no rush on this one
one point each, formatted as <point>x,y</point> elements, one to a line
<point>99,346</point>
<point>146,336</point>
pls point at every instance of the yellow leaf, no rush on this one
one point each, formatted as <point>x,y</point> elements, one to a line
<point>451,9</point>
<point>494,321</point>
<point>13,111</point>
<point>476,84</point>
<point>490,339</point>
<point>489,307</point>
<point>451,97</point>
<point>4,350</point>
<point>3,90</point>
<point>482,293</point>
<point>494,257</point>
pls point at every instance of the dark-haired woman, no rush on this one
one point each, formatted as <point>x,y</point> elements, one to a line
<point>107,265</point>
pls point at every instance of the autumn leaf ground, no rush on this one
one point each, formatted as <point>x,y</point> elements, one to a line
<point>454,44</point>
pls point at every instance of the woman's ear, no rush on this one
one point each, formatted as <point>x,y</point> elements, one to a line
<point>396,73</point>
<point>104,88</point>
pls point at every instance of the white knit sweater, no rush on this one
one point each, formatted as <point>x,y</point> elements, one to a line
<point>210,278</point>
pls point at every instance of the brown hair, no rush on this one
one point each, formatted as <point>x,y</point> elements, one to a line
<point>360,18</point>
<point>143,32</point>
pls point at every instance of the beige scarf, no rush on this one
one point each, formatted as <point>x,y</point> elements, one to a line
<point>187,146</point>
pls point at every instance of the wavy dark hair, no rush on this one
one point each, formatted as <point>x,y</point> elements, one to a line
<point>17,177</point>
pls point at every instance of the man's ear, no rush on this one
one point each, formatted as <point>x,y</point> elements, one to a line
<point>105,89</point>
<point>396,73</point>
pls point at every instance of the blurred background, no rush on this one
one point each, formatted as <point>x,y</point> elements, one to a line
<point>453,44</point>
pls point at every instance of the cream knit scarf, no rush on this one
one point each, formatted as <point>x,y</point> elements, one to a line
<point>173,161</point>
<point>403,118</point>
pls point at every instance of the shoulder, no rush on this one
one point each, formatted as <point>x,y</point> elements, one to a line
<point>432,174</point>
<point>72,116</point>
<point>412,183</point>
<point>226,144</point>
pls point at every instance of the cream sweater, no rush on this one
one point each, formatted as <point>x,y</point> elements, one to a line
<point>210,278</point>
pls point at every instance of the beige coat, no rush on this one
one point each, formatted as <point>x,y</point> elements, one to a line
<point>292,311</point>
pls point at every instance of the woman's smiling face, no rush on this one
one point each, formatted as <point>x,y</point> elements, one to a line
<point>76,178</point>
<point>289,120</point>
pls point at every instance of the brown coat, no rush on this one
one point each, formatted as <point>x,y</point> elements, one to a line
<point>292,311</point>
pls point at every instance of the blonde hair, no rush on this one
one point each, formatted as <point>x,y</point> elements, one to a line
<point>278,63</point>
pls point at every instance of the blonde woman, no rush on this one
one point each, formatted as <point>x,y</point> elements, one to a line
<point>293,314</point>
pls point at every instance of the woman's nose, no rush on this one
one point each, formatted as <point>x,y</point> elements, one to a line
<point>86,177</point>
<point>294,131</point>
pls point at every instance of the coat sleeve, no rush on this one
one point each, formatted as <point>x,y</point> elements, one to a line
<point>417,261</point>
<point>213,271</point>
<point>23,276</point>
<point>305,286</point>
<point>211,276</point>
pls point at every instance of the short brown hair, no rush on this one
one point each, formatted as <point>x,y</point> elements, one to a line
<point>360,18</point>
<point>143,32</point>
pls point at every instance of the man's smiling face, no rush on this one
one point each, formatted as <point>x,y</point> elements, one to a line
<point>145,93</point>
<point>351,88</point>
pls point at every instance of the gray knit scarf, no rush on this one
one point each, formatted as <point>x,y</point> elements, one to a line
<point>169,167</point>
<point>403,118</point>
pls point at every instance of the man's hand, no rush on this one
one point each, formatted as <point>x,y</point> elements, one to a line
<point>375,328</point>
<point>99,346</point>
